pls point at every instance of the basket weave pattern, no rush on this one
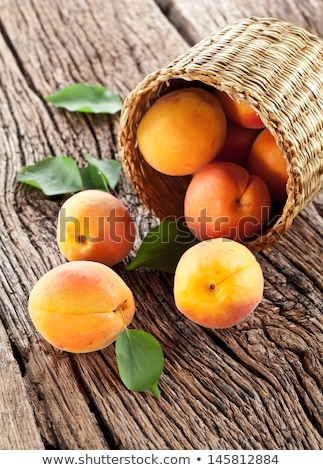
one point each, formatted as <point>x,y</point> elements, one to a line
<point>276,68</point>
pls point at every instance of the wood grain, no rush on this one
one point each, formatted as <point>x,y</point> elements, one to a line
<point>255,386</point>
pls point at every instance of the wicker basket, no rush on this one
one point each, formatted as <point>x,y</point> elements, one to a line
<point>276,68</point>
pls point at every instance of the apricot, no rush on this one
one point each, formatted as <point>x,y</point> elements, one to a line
<point>182,131</point>
<point>240,113</point>
<point>266,160</point>
<point>238,143</point>
<point>218,283</point>
<point>81,306</point>
<point>94,225</point>
<point>224,200</point>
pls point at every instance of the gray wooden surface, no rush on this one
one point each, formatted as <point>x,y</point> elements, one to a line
<point>255,386</point>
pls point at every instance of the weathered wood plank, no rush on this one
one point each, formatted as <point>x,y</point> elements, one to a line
<point>256,386</point>
<point>195,20</point>
<point>17,422</point>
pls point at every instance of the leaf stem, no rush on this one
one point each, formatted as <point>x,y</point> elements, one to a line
<point>119,310</point>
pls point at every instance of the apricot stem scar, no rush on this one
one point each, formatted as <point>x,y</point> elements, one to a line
<point>81,239</point>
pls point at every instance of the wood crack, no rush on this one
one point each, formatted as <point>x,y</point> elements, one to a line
<point>169,10</point>
<point>17,58</point>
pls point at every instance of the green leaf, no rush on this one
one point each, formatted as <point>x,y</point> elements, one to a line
<point>92,178</point>
<point>163,246</point>
<point>110,170</point>
<point>61,175</point>
<point>53,175</point>
<point>86,99</point>
<point>140,361</point>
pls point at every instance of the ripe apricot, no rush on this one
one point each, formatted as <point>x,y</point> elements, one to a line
<point>238,143</point>
<point>81,306</point>
<point>266,160</point>
<point>224,200</point>
<point>94,225</point>
<point>240,113</point>
<point>182,131</point>
<point>218,283</point>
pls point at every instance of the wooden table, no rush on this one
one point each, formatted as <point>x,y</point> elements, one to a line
<point>254,386</point>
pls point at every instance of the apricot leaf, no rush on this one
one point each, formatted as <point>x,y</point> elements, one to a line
<point>92,178</point>
<point>83,98</point>
<point>108,170</point>
<point>53,175</point>
<point>163,246</point>
<point>59,175</point>
<point>140,361</point>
